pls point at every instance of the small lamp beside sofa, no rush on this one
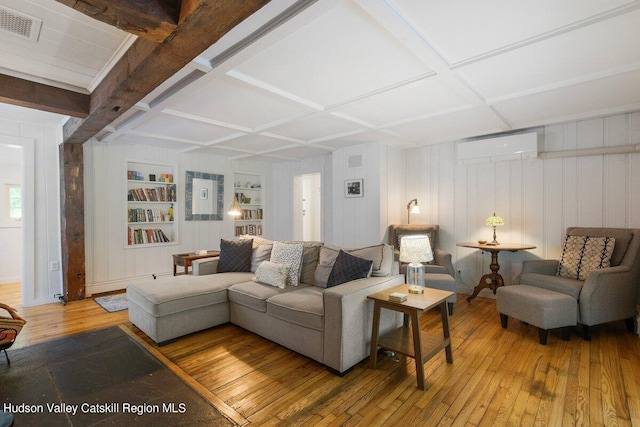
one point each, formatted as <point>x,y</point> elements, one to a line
<point>439,272</point>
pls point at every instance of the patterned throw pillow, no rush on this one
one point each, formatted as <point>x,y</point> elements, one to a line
<point>289,254</point>
<point>271,273</point>
<point>347,268</point>
<point>235,255</point>
<point>582,254</point>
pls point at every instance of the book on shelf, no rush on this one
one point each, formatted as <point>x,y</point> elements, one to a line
<point>252,229</point>
<point>157,194</point>
<point>147,215</point>
<point>141,236</point>
<point>397,297</point>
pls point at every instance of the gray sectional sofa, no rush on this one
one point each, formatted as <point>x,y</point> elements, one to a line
<point>330,325</point>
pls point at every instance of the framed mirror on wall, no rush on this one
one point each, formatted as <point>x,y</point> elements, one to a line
<point>204,196</point>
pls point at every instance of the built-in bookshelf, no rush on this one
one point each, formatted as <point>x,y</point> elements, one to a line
<point>151,204</point>
<point>249,191</point>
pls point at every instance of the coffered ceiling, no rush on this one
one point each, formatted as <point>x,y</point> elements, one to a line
<point>341,72</point>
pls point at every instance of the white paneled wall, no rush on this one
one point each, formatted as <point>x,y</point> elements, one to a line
<point>348,222</point>
<point>356,220</point>
<point>538,199</point>
<point>392,190</point>
<point>110,264</point>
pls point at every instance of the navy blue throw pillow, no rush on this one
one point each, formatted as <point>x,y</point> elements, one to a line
<point>347,268</point>
<point>235,255</point>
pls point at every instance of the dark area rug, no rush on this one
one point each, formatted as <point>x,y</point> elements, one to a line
<point>106,377</point>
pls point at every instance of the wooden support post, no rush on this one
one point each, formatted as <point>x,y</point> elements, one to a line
<point>72,221</point>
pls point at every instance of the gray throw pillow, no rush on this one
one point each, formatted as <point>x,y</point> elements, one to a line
<point>235,255</point>
<point>347,268</point>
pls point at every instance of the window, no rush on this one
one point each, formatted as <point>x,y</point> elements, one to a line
<point>15,202</point>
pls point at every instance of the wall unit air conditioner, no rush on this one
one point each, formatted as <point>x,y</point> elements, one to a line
<point>509,147</point>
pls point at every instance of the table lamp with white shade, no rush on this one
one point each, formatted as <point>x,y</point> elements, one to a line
<point>415,249</point>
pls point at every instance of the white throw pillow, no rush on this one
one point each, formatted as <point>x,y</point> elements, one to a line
<point>271,273</point>
<point>289,254</point>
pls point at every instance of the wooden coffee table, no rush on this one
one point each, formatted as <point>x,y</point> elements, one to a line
<point>409,339</point>
<point>186,260</point>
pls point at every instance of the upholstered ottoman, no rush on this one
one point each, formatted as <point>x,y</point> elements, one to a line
<point>539,307</point>
<point>171,307</point>
<point>444,282</point>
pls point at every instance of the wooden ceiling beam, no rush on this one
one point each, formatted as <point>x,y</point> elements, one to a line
<point>153,20</point>
<point>148,64</point>
<point>38,96</point>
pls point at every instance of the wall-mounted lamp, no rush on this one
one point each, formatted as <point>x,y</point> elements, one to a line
<point>412,210</point>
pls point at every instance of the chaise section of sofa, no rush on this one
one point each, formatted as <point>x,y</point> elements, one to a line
<point>171,307</point>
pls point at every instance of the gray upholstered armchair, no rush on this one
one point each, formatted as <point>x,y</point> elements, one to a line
<point>442,260</point>
<point>439,273</point>
<point>606,294</point>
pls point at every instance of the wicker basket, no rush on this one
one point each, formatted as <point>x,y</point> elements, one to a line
<point>10,327</point>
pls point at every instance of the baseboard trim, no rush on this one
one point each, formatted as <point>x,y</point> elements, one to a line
<point>117,285</point>
<point>8,280</point>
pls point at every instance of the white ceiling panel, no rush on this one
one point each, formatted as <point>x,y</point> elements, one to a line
<point>602,97</point>
<point>217,151</point>
<point>184,129</point>
<point>254,143</point>
<point>267,158</point>
<point>460,30</point>
<point>461,124</point>
<point>367,137</point>
<point>233,102</point>
<point>314,127</point>
<point>301,152</point>
<point>336,144</point>
<point>613,45</point>
<point>426,96</point>
<point>72,50</point>
<point>154,142</point>
<point>337,57</point>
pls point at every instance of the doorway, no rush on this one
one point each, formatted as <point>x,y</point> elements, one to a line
<point>307,207</point>
<point>25,149</point>
<point>11,233</point>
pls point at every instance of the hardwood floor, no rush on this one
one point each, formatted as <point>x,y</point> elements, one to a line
<point>499,377</point>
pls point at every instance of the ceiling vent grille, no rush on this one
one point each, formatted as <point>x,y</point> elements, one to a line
<point>20,24</point>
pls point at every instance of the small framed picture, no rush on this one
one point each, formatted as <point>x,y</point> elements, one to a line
<point>353,188</point>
